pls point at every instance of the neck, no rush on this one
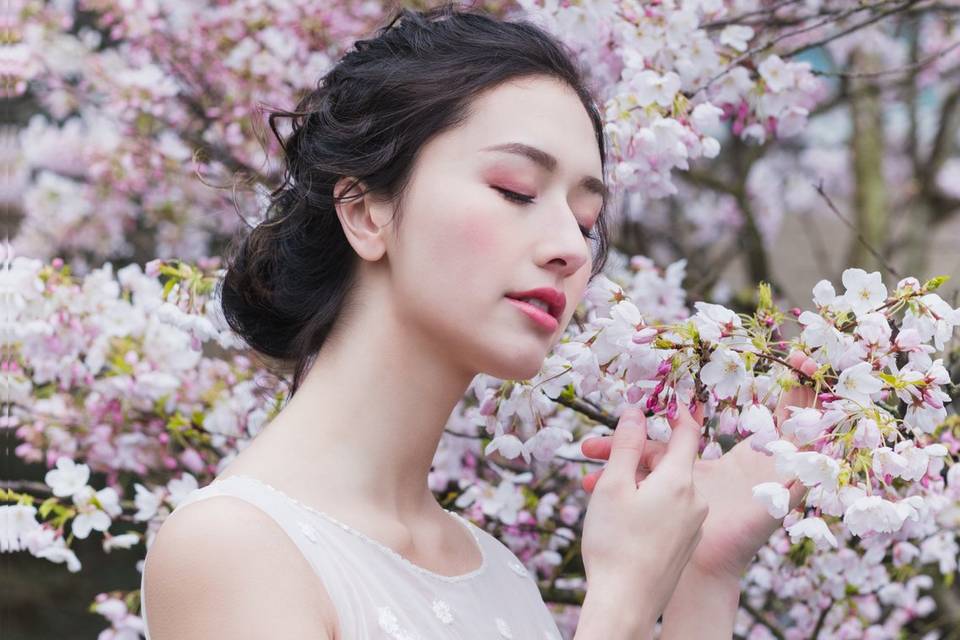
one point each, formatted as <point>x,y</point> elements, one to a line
<point>368,417</point>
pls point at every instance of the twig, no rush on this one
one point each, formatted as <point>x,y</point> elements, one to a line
<point>859,25</point>
<point>472,436</point>
<point>25,486</point>
<point>738,19</point>
<point>756,615</point>
<point>597,416</point>
<point>769,44</point>
<point>820,621</point>
<point>873,74</point>
<point>886,265</point>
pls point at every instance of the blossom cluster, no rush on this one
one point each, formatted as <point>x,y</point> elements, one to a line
<point>130,391</point>
<point>149,108</point>
<point>110,378</point>
<point>158,93</point>
<point>868,443</point>
<point>668,77</point>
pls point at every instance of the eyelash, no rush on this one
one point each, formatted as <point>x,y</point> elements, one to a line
<point>518,198</point>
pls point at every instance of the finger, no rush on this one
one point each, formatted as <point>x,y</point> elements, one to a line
<point>698,412</point>
<point>795,397</point>
<point>797,491</point>
<point>684,442</point>
<point>599,449</point>
<point>629,442</point>
<point>590,480</point>
<point>802,362</point>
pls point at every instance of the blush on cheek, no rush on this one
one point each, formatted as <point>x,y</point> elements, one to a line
<point>477,235</point>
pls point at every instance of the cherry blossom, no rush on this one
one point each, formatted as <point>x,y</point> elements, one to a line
<point>774,497</point>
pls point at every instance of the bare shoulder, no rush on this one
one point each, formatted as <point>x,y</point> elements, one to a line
<point>222,568</point>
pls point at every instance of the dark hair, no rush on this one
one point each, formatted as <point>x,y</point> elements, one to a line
<point>287,280</point>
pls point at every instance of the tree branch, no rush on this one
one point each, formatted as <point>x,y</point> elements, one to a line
<point>833,208</point>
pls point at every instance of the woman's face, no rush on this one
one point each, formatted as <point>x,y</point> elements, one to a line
<point>464,242</point>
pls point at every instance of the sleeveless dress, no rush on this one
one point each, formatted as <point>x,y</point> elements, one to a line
<point>377,593</point>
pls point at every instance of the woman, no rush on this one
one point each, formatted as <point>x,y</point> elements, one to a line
<point>441,167</point>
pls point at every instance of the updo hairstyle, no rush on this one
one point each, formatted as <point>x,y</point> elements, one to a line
<point>288,278</point>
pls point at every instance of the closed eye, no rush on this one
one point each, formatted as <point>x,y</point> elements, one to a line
<point>519,198</point>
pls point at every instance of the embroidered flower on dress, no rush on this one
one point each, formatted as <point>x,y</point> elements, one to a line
<point>442,611</point>
<point>504,628</point>
<point>387,620</point>
<point>518,568</point>
<point>308,531</point>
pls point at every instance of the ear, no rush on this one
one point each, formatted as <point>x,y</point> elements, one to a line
<point>365,220</point>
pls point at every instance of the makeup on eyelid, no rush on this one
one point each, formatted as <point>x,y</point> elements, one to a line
<point>519,198</point>
<point>503,179</point>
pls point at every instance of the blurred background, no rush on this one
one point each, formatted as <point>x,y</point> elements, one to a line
<point>132,131</point>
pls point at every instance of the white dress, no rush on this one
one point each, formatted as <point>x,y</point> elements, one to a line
<point>378,593</point>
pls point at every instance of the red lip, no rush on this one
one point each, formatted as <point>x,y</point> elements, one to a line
<point>555,299</point>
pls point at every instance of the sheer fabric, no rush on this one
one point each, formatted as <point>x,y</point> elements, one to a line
<point>378,593</point>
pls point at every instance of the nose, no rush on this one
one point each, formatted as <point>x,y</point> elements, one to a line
<point>566,248</point>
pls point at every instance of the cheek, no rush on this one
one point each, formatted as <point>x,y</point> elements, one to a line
<point>476,235</point>
<point>462,254</point>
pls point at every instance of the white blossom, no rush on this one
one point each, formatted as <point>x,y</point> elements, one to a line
<point>864,291</point>
<point>857,383</point>
<point>774,497</point>
<point>815,529</point>
<point>68,478</point>
<point>724,372</point>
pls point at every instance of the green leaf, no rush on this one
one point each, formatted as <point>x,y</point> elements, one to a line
<point>934,283</point>
<point>168,287</point>
<point>46,507</point>
<point>800,551</point>
<point>764,297</point>
<point>888,378</point>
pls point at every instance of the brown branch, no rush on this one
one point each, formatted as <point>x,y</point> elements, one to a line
<point>598,416</point>
<point>23,486</point>
<point>880,259</point>
<point>844,94</point>
<point>821,620</point>
<point>770,43</point>
<point>741,18</point>
<point>860,25</point>
<point>756,615</point>
<point>883,72</point>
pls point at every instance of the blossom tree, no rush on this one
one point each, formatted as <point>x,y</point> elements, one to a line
<point>126,387</point>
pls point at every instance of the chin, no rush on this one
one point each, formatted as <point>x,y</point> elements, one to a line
<point>518,365</point>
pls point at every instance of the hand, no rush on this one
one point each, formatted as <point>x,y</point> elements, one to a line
<point>737,525</point>
<point>639,535</point>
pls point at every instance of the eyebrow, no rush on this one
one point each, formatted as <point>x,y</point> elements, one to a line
<point>548,162</point>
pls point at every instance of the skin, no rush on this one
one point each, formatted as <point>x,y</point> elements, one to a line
<point>704,603</point>
<point>370,413</point>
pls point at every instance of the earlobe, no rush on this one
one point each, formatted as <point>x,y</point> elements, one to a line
<point>360,218</point>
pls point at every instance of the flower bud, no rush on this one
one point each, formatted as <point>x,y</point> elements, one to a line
<point>645,335</point>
